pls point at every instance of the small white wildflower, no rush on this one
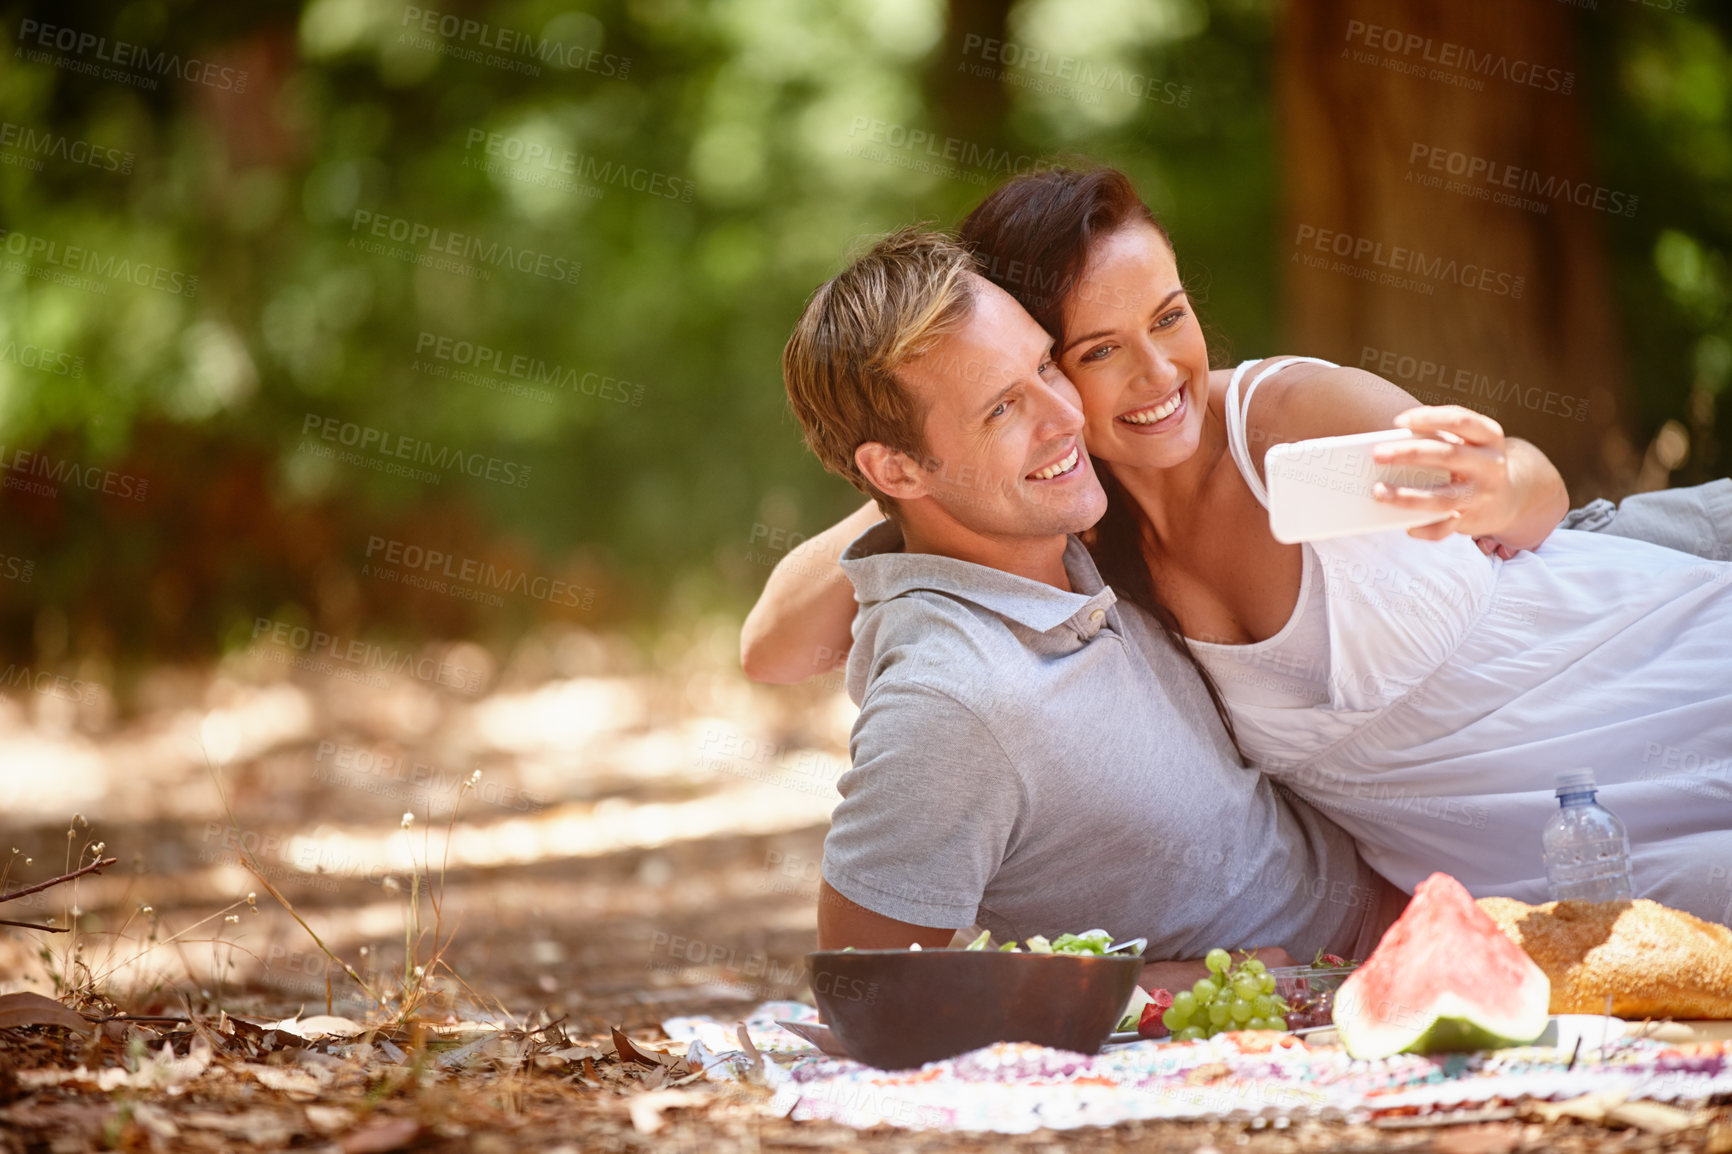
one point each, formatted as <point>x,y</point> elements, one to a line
<point>146,909</point>
<point>408,820</point>
<point>232,918</point>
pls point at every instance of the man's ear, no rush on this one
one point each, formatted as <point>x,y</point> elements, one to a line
<point>891,471</point>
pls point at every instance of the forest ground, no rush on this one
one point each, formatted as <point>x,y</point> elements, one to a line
<point>642,842</point>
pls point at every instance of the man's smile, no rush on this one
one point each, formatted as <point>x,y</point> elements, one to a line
<point>1063,466</point>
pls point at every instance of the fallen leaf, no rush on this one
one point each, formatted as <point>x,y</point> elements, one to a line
<point>641,1052</point>
<point>26,1009</point>
<point>646,1109</point>
<point>380,1135</point>
<point>162,1071</point>
<point>220,1122</point>
<point>297,1084</point>
<point>73,1119</point>
<point>574,1053</point>
<point>329,1119</point>
<point>323,1064</point>
<point>467,1053</point>
<point>155,1120</point>
<point>319,1026</point>
<point>756,1071</point>
<point>260,1128</point>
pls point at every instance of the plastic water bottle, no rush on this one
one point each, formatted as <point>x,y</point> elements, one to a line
<point>1586,848</point>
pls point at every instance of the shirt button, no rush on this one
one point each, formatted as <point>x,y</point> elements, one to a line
<point>1097,615</point>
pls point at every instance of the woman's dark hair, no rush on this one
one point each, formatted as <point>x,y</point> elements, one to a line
<point>1033,235</point>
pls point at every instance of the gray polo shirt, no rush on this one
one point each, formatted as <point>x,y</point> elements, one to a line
<point>1696,520</point>
<point>1035,762</point>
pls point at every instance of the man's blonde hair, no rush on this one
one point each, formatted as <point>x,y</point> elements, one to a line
<point>886,309</point>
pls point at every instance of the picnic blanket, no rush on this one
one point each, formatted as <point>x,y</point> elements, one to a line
<point>1016,1088</point>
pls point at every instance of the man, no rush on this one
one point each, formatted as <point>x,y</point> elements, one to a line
<point>1030,756</point>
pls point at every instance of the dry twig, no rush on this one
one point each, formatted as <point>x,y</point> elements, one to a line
<point>94,867</point>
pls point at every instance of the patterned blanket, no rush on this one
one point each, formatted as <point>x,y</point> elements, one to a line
<point>1017,1087</point>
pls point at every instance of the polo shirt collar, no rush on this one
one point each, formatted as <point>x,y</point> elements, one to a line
<point>880,570</point>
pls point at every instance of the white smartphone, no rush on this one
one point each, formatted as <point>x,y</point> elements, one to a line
<point>1322,488</point>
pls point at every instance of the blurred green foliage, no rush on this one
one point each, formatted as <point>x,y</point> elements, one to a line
<point>718,161</point>
<point>1662,121</point>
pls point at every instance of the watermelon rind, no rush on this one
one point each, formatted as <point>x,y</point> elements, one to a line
<point>1415,994</point>
<point>1450,1026</point>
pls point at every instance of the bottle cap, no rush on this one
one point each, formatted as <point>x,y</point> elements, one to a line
<point>1575,780</point>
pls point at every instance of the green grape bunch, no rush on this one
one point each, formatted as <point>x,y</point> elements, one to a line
<point>1233,997</point>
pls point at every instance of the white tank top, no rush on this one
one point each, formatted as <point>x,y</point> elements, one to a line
<point>1292,667</point>
<point>1424,696</point>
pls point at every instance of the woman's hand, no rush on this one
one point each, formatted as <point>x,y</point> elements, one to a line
<point>1503,492</point>
<point>802,624</point>
<point>1479,499</point>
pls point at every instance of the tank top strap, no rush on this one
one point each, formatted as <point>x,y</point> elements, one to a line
<point>1239,412</point>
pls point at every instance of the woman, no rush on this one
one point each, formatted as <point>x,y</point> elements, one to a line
<point>1423,689</point>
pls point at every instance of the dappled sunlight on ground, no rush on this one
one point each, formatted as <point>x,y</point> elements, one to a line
<point>611,808</point>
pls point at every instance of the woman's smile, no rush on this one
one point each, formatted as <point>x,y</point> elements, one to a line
<point>1138,358</point>
<point>1159,416</point>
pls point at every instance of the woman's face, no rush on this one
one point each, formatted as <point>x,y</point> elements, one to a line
<point>1135,353</point>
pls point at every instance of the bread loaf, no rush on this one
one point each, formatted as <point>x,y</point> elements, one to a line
<point>1653,961</point>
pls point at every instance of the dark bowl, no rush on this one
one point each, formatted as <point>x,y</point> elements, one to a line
<point>897,1009</point>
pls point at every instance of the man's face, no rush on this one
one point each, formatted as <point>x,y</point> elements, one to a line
<point>1005,459</point>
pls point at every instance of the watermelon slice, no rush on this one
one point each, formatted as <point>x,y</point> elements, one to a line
<point>1443,978</point>
<point>1150,1024</point>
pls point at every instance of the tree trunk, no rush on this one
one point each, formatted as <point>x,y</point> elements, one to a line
<point>967,96</point>
<point>1443,219</point>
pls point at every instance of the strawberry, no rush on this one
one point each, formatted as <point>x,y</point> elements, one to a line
<point>1150,1024</point>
